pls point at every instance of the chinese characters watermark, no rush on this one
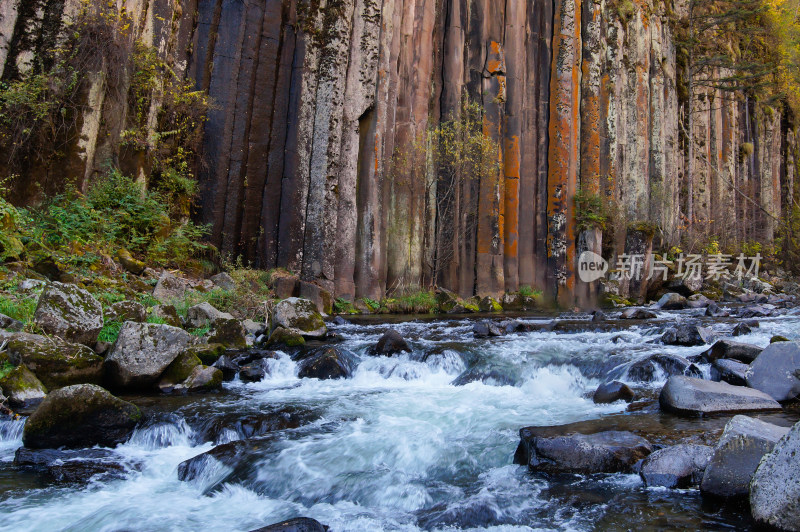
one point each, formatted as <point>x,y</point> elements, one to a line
<point>691,267</point>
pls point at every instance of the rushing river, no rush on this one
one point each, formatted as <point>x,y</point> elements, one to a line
<point>398,446</point>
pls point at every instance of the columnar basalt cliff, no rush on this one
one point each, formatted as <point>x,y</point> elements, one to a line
<point>312,100</point>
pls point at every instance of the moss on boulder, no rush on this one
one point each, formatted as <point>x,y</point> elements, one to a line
<point>80,416</point>
<point>23,389</point>
<point>299,315</point>
<point>69,312</point>
<point>54,362</point>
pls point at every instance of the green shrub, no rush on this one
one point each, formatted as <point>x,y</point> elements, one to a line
<point>5,368</point>
<point>109,332</point>
<point>21,309</point>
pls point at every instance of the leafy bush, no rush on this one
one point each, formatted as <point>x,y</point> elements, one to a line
<point>19,308</point>
<point>109,332</point>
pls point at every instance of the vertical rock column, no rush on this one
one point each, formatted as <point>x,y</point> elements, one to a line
<point>564,149</point>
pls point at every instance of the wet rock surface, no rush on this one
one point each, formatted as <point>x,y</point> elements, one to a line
<point>776,371</point>
<point>679,466</point>
<point>690,396</point>
<point>775,489</point>
<point>76,466</point>
<point>327,363</point>
<point>613,391</point>
<point>391,343</point>
<point>299,524</point>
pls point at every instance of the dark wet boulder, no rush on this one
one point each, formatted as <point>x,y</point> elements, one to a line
<point>327,363</point>
<point>80,416</point>
<point>686,334</point>
<point>23,390</point>
<point>76,466</point>
<point>599,315</point>
<point>299,524</point>
<point>228,332</point>
<point>672,301</point>
<point>733,350</point>
<point>126,311</point>
<point>743,443</point>
<point>730,371</point>
<point>679,466</point>
<point>637,314</point>
<point>744,327</point>
<point>227,366</point>
<point>391,343</point>
<point>486,329</point>
<point>255,371</point>
<point>775,488</point>
<point>693,397</point>
<point>663,364</point>
<point>755,311</point>
<point>685,285</point>
<point>776,371</point>
<point>300,316</point>
<point>601,452</point>
<point>69,312</point>
<point>229,462</point>
<point>55,363</point>
<point>699,301</point>
<point>340,321</point>
<point>142,352</point>
<point>610,392</point>
<point>715,311</point>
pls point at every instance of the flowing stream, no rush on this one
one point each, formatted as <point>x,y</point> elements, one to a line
<point>398,446</point>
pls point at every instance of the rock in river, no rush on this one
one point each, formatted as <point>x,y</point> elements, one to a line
<point>299,524</point>
<point>690,396</point>
<point>743,443</point>
<point>686,334</point>
<point>391,343</point>
<point>735,350</point>
<point>613,391</point>
<point>23,389</point>
<point>142,352</point>
<point>775,488</point>
<point>730,371</point>
<point>679,466</point>
<point>776,371</point>
<point>80,416</point>
<point>672,301</point>
<point>603,452</point>
<point>327,363</point>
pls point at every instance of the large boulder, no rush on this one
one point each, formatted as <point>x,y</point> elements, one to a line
<point>672,301</point>
<point>602,452</point>
<point>80,416</point>
<point>76,466</point>
<point>178,371</point>
<point>282,337</point>
<point>126,311</point>
<point>486,329</point>
<point>686,334</point>
<point>655,367</point>
<point>734,350</point>
<point>637,314</point>
<point>202,379</point>
<point>391,343</point>
<point>776,371</point>
<point>56,363</point>
<point>745,327</point>
<point>679,466</point>
<point>203,315</point>
<point>299,315</point>
<point>299,524</point>
<point>322,298</point>
<point>327,363</point>
<point>23,389</point>
<point>685,285</point>
<point>743,443</point>
<point>775,488</point>
<point>69,312</point>
<point>691,396</point>
<point>142,352</point>
<point>169,288</point>
<point>610,392</point>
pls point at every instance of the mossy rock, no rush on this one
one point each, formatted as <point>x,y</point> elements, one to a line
<point>203,379</point>
<point>208,353</point>
<point>778,338</point>
<point>471,307</point>
<point>285,337</point>
<point>180,368</point>
<point>80,416</point>
<point>134,266</point>
<point>55,363</point>
<point>69,312</point>
<point>23,389</point>
<point>490,304</point>
<point>300,315</point>
<point>228,332</point>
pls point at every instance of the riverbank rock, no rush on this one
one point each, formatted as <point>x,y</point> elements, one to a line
<point>743,328</point>
<point>54,362</point>
<point>730,371</point>
<point>300,524</point>
<point>672,301</point>
<point>299,315</point>
<point>776,371</point>
<point>489,304</point>
<point>80,416</point>
<point>714,311</point>
<point>601,452</point>
<point>775,488</point>
<point>169,288</point>
<point>69,312</point>
<point>201,379</point>
<point>679,466</point>
<point>228,332</point>
<point>168,314</point>
<point>223,280</point>
<point>391,343</point>
<point>23,390</point>
<point>126,311</point>
<point>693,397</point>
<point>327,363</point>
<point>178,371</point>
<point>203,315</point>
<point>637,314</point>
<point>687,335</point>
<point>610,392</point>
<point>733,350</point>
<point>322,299</point>
<point>142,352</point>
<point>283,337</point>
<point>743,443</point>
<point>10,324</point>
